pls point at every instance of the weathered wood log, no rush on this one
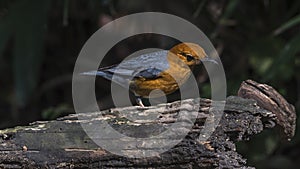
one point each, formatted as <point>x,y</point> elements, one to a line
<point>64,144</point>
<point>268,98</point>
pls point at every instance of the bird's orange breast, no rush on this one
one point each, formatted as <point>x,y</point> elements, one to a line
<point>143,87</point>
<point>168,80</point>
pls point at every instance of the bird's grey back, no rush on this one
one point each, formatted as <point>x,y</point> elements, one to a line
<point>146,65</point>
<point>132,66</point>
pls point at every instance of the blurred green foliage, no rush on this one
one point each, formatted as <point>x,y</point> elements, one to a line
<point>28,30</point>
<point>40,41</point>
<point>52,113</point>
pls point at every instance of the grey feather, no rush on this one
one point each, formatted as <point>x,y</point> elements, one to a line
<point>146,66</point>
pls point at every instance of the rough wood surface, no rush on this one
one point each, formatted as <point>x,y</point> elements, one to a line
<point>268,98</point>
<point>63,144</point>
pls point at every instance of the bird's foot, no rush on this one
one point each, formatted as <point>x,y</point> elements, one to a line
<point>139,101</point>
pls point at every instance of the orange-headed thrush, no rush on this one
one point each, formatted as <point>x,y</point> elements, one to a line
<point>165,70</point>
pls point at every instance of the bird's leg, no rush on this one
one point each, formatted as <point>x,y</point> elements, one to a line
<point>138,100</point>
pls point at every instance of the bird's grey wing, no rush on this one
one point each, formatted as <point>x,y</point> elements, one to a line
<point>147,65</point>
<point>150,73</point>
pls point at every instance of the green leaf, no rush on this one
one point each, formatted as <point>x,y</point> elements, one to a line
<point>199,8</point>
<point>55,112</point>
<point>292,22</point>
<point>282,64</point>
<point>262,52</point>
<point>229,10</point>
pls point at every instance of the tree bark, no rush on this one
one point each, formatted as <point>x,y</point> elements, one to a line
<point>63,143</point>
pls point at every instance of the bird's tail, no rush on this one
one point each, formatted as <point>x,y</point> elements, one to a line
<point>98,73</point>
<point>109,76</point>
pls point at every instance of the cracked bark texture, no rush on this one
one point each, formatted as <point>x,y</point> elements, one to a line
<point>64,144</point>
<point>268,98</point>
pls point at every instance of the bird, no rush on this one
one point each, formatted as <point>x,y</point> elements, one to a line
<point>164,70</point>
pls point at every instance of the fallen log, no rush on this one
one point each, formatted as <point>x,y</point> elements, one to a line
<point>63,143</point>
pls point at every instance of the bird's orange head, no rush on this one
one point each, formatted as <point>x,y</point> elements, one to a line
<point>190,53</point>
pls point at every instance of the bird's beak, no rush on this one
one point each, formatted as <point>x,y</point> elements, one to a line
<point>208,59</point>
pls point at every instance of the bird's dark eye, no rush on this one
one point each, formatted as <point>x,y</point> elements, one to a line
<point>188,56</point>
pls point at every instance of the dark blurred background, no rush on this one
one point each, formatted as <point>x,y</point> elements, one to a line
<point>41,39</point>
